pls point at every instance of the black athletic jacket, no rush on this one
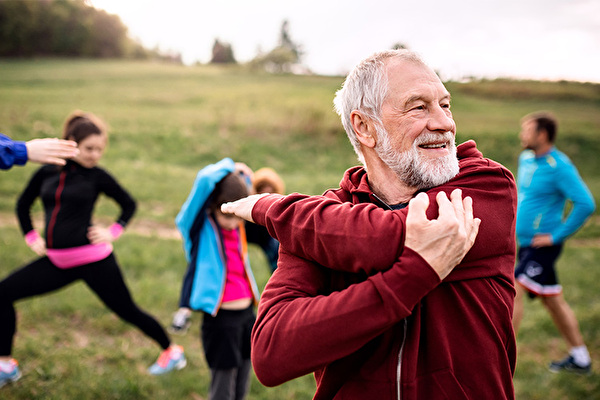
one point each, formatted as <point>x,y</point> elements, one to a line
<point>68,196</point>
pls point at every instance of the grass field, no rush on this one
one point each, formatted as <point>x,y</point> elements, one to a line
<point>167,121</point>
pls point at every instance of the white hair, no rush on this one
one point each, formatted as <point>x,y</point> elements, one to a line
<point>365,90</point>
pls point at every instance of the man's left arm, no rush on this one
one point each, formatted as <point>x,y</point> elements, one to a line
<point>358,229</point>
<point>573,188</point>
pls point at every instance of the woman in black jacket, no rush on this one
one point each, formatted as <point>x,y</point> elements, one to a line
<point>73,248</point>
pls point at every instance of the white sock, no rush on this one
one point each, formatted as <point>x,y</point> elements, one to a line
<point>581,356</point>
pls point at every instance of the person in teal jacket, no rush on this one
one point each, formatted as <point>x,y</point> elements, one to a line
<point>546,181</point>
<point>219,281</point>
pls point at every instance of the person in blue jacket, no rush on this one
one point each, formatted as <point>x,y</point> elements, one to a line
<point>219,281</point>
<point>546,181</point>
<point>42,151</point>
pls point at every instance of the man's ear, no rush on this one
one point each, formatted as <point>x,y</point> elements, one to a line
<point>543,132</point>
<point>364,129</point>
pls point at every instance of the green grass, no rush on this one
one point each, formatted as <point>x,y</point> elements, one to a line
<point>167,121</point>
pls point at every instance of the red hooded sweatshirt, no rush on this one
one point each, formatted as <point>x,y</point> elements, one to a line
<point>371,318</point>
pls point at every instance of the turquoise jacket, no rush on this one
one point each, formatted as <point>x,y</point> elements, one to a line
<point>204,282</point>
<point>545,184</point>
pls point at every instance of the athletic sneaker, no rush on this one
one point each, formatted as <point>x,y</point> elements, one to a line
<point>9,372</point>
<point>170,359</point>
<point>182,320</point>
<point>568,364</point>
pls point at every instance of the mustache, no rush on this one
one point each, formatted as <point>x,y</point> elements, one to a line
<point>426,138</point>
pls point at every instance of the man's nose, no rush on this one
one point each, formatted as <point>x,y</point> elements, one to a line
<point>440,119</point>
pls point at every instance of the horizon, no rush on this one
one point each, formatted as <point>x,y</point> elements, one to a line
<point>518,39</point>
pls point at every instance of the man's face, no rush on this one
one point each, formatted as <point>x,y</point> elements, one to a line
<point>416,115</point>
<point>529,135</point>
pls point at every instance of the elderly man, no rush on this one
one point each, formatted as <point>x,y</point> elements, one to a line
<point>366,294</point>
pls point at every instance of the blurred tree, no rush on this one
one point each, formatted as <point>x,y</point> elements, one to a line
<point>222,53</point>
<point>286,42</point>
<point>283,57</point>
<point>63,28</point>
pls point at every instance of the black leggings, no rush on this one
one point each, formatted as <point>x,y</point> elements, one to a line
<point>103,277</point>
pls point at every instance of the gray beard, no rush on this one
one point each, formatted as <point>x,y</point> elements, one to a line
<point>415,170</point>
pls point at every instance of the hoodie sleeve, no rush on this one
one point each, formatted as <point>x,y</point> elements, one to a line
<point>338,234</point>
<point>295,322</point>
<point>572,187</point>
<point>26,200</point>
<point>11,152</point>
<point>113,189</point>
<point>333,233</point>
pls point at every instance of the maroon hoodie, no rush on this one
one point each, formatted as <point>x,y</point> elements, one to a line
<point>371,318</point>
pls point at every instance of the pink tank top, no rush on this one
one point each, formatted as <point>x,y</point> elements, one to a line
<point>236,284</point>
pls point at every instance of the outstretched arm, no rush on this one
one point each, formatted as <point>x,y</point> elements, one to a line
<point>295,319</point>
<point>357,229</point>
<point>51,151</point>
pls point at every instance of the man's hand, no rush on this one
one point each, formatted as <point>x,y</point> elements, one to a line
<point>242,207</point>
<point>442,242</point>
<point>542,240</point>
<point>51,151</point>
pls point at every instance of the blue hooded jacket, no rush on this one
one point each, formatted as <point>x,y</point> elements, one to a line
<point>204,282</point>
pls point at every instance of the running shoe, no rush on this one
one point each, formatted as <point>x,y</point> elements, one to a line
<point>170,359</point>
<point>568,364</point>
<point>10,372</point>
<point>182,320</point>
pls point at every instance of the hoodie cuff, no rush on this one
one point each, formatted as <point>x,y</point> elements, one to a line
<point>31,237</point>
<point>259,211</point>
<point>116,230</point>
<point>20,150</point>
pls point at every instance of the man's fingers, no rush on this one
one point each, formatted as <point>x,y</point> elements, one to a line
<point>468,219</point>
<point>242,207</point>
<point>468,208</point>
<point>456,198</point>
<point>417,208</point>
<point>473,233</point>
<point>447,208</point>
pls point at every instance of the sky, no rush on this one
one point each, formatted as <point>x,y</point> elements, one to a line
<point>521,39</point>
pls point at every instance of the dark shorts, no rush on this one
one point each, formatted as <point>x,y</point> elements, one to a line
<point>535,270</point>
<point>226,337</point>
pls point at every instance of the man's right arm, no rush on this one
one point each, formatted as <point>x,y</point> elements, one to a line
<point>302,325</point>
<point>302,318</point>
<point>338,234</point>
<point>351,230</point>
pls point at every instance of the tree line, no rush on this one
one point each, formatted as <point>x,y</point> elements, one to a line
<point>63,28</point>
<point>74,28</point>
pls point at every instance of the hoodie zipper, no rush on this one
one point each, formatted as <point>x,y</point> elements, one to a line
<point>399,367</point>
